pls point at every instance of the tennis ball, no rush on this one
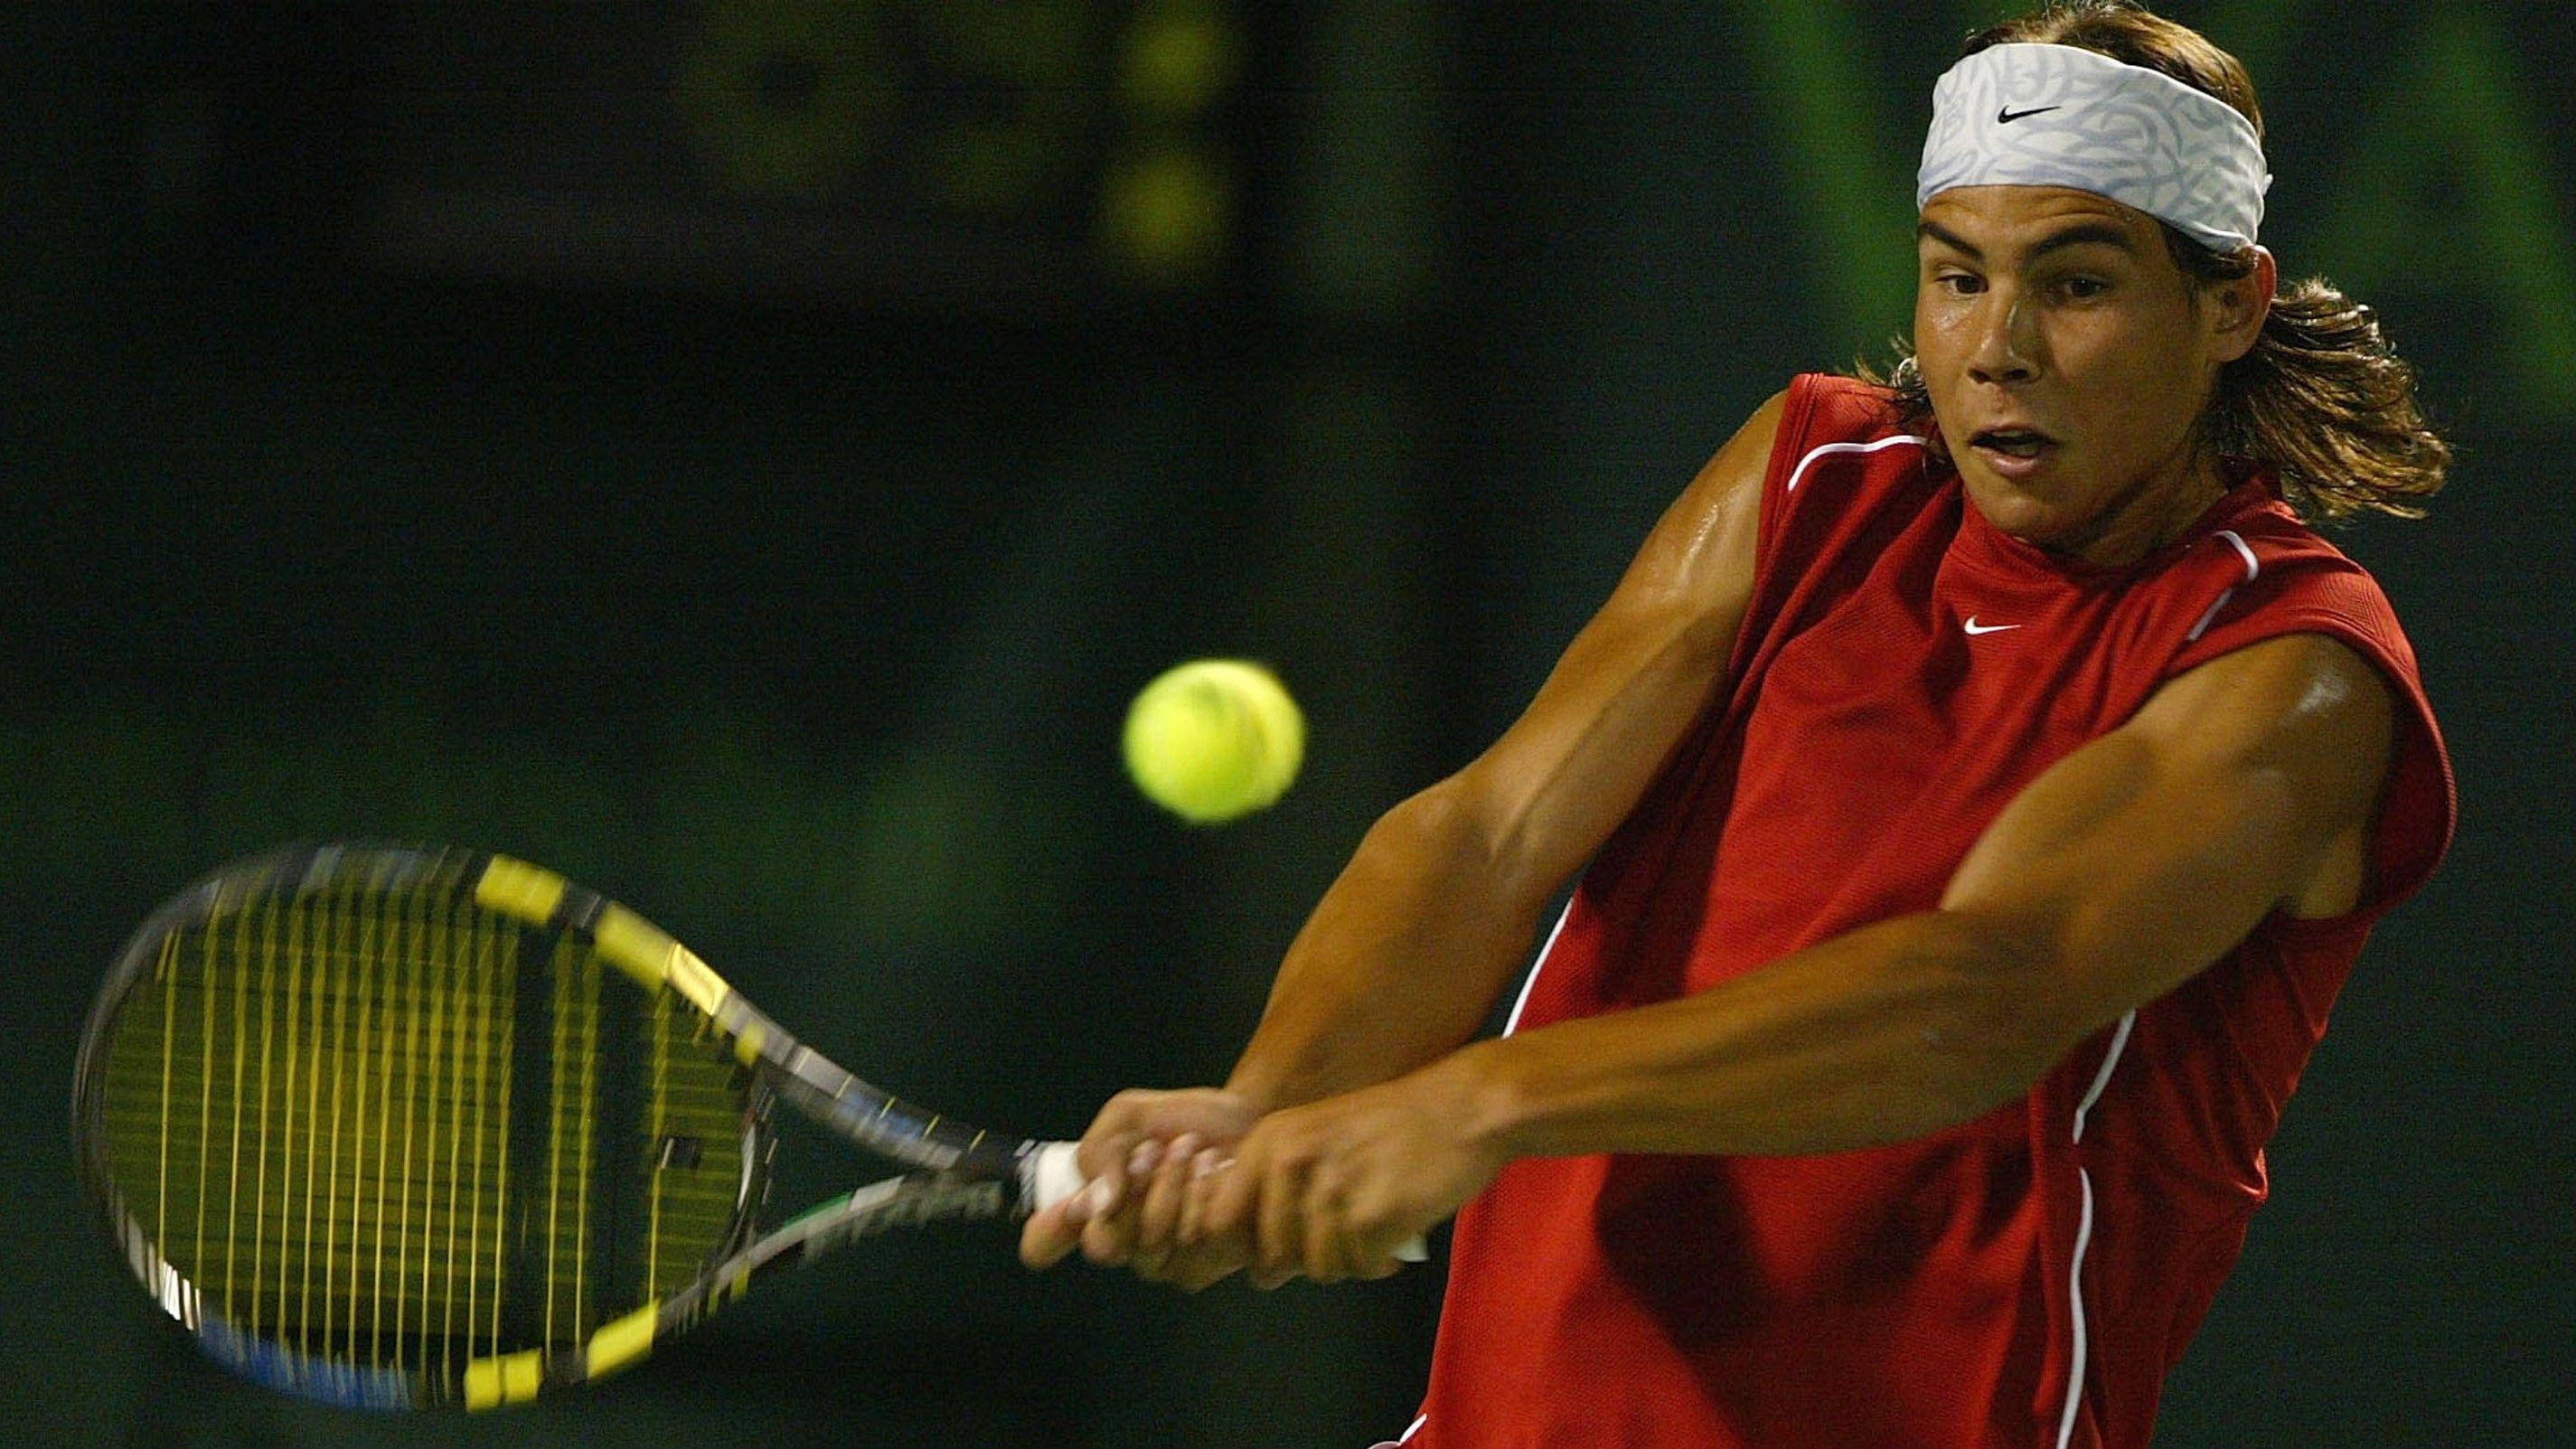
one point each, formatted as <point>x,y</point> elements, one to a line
<point>1214,739</point>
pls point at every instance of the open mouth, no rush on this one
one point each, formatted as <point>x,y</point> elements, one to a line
<point>2012,442</point>
<point>2013,452</point>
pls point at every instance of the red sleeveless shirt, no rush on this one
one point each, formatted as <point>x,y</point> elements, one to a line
<point>2025,1279</point>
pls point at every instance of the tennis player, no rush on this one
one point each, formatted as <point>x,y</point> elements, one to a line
<point>1981,782</point>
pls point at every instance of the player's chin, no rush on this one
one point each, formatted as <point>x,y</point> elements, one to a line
<point>2035,508</point>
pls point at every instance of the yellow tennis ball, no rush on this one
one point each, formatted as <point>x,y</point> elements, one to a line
<point>1214,739</point>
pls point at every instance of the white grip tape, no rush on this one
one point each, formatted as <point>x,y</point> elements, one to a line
<point>1054,1175</point>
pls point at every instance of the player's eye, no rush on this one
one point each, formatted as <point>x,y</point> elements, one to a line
<point>2084,289</point>
<point>1959,284</point>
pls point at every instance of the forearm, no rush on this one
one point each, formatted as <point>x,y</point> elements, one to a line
<point>1400,962</point>
<point>1407,952</point>
<point>1882,1035</point>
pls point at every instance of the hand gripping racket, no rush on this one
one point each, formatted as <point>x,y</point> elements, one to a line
<point>403,1128</point>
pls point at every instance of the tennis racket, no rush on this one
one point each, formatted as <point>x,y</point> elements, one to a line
<point>403,1128</point>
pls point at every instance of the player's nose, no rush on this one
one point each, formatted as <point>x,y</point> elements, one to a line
<point>2007,341</point>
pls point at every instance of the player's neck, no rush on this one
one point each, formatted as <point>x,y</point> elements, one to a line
<point>2150,514</point>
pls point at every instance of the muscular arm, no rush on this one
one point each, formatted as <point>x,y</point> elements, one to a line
<point>2117,875</point>
<point>1406,953</point>
<point>2244,786</point>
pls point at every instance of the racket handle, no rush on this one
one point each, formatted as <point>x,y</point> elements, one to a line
<point>1050,1174</point>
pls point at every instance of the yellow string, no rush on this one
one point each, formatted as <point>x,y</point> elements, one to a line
<point>380,1043</point>
<point>482,1052</point>
<point>505,1005</point>
<point>267,1036</point>
<point>589,984</point>
<point>312,1150</point>
<point>454,1075</point>
<point>653,1140</point>
<point>347,1010</point>
<point>332,941</point>
<point>168,967</point>
<point>554,1138</point>
<point>410,963</point>
<point>285,1108</point>
<point>205,1098</point>
<point>241,1053</point>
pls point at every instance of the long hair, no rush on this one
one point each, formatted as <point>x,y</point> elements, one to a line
<point>2323,400</point>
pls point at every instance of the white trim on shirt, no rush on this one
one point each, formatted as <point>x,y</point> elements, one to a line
<point>1822,449</point>
<point>1512,1023</point>
<point>2084,1235</point>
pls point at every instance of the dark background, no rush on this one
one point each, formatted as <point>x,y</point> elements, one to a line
<point>744,456</point>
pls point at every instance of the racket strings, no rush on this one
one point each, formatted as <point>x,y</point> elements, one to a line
<point>694,1137</point>
<point>308,1106</point>
<point>573,1095</point>
<point>313,1095</point>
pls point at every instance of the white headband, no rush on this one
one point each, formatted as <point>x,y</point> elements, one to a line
<point>2057,115</point>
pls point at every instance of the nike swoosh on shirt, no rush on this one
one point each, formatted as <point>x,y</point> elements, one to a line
<point>1973,627</point>
<point>2008,115</point>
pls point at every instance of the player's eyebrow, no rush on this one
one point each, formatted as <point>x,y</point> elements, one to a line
<point>2083,233</point>
<point>1935,231</point>
<point>2089,233</point>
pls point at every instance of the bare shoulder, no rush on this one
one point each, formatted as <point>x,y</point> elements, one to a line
<point>1703,547</point>
<point>2304,706</point>
<point>1747,455</point>
<point>1549,792</point>
<point>1736,472</point>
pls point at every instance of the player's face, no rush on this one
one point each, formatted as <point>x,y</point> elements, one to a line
<point>2068,358</point>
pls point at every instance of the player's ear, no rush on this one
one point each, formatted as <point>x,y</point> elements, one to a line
<point>2236,308</point>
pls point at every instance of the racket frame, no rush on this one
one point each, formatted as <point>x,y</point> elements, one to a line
<point>960,1171</point>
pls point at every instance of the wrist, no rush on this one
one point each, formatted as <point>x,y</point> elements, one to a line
<point>1487,1100</point>
<point>1258,1091</point>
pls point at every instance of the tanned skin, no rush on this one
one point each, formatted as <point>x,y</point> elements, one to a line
<point>1361,1114</point>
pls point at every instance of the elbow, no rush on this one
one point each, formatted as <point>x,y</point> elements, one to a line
<point>1462,829</point>
<point>1427,841</point>
<point>1434,826</point>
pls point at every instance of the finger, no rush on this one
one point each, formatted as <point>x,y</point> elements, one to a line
<point>1279,1233</point>
<point>1191,1230</point>
<point>1158,1213</point>
<point>1218,1261</point>
<point>1122,1123</point>
<point>1360,1245</point>
<point>1103,1188</point>
<point>1046,1237</point>
<point>1368,1256</point>
<point>1106,1147</point>
<point>1195,1268</point>
<point>1204,1256</point>
<point>1321,1231</point>
<point>1383,1267</point>
<point>1108,1220</point>
<point>1234,1193</point>
<point>1226,1198</point>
